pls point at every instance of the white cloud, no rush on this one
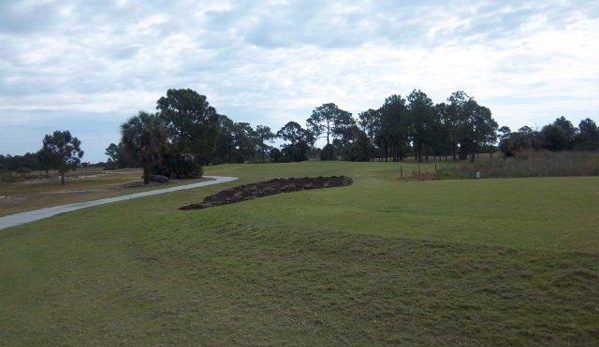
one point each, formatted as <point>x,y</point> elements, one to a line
<point>273,61</point>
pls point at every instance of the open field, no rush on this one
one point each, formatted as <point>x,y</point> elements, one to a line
<point>506,262</point>
<point>82,185</point>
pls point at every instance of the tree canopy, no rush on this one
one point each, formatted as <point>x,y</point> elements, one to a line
<point>61,151</point>
<point>192,122</point>
<point>299,141</point>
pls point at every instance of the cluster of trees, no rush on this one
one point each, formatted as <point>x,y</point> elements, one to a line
<point>239,142</point>
<point>21,163</point>
<point>402,127</point>
<point>174,141</point>
<point>60,151</point>
<point>557,136</point>
<point>118,158</point>
<point>186,132</point>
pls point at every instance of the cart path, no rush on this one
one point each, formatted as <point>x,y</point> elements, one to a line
<point>35,215</point>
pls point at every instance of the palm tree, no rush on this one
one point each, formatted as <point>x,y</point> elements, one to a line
<point>145,138</point>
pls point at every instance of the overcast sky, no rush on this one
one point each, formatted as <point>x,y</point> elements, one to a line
<point>88,65</point>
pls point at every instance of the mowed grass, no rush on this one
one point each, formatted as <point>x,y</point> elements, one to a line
<point>382,262</point>
<point>82,185</point>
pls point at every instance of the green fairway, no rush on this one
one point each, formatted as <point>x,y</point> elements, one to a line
<point>506,262</point>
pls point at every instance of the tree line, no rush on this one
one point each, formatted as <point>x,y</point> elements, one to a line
<point>186,132</point>
<point>558,136</point>
<point>60,151</point>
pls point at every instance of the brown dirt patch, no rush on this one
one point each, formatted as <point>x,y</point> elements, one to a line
<point>267,188</point>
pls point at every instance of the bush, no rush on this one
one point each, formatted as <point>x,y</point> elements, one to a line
<point>177,167</point>
<point>328,152</point>
<point>158,179</point>
<point>23,170</point>
<point>275,155</point>
<point>295,153</point>
<point>360,150</point>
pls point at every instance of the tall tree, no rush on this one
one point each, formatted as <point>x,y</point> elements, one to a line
<point>64,151</point>
<point>559,135</point>
<point>192,122</point>
<point>225,141</point>
<point>470,125</point>
<point>299,141</point>
<point>588,130</point>
<point>264,135</point>
<point>456,121</point>
<point>438,137</point>
<point>358,146</point>
<point>588,135</point>
<point>369,121</point>
<point>112,152</point>
<point>117,157</point>
<point>421,119</point>
<point>245,141</point>
<point>145,138</point>
<point>393,135</point>
<point>330,120</point>
<point>46,159</point>
<point>483,128</point>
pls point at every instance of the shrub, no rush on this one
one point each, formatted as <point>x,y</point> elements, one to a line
<point>177,167</point>
<point>275,155</point>
<point>530,164</point>
<point>361,149</point>
<point>158,179</point>
<point>328,152</point>
<point>23,170</point>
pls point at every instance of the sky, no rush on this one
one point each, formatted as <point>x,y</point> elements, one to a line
<point>89,65</point>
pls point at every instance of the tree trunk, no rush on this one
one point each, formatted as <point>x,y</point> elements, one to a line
<point>453,150</point>
<point>386,151</point>
<point>62,177</point>
<point>146,174</point>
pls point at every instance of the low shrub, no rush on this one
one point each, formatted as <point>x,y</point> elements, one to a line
<point>159,179</point>
<point>23,171</point>
<point>529,164</point>
<point>177,167</point>
<point>328,153</point>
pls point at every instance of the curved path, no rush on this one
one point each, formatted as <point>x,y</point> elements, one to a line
<point>32,216</point>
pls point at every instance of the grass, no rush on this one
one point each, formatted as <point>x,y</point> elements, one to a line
<point>382,262</point>
<point>82,185</point>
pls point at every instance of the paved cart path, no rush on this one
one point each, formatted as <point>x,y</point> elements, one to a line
<point>32,216</point>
